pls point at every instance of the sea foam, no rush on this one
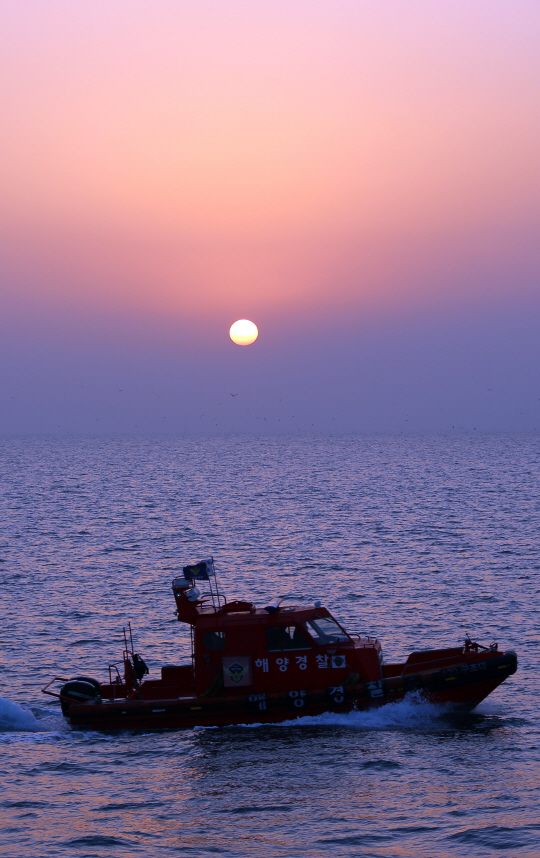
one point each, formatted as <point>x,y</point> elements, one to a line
<point>14,718</point>
<point>410,713</point>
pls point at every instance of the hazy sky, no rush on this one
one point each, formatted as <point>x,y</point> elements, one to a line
<point>358,177</point>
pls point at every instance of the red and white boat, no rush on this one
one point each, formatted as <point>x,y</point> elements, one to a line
<point>270,664</point>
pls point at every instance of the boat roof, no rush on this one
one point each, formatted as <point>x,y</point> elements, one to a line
<point>208,616</point>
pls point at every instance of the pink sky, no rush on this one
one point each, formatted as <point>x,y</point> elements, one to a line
<point>301,162</point>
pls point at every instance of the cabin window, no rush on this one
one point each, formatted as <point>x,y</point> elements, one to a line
<point>214,640</point>
<point>286,637</point>
<point>326,631</point>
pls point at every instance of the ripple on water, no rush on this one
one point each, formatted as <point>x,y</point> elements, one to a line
<point>257,808</point>
<point>100,840</point>
<point>381,765</point>
<point>499,837</point>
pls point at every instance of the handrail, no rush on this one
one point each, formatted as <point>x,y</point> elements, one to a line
<point>115,665</point>
<point>45,688</point>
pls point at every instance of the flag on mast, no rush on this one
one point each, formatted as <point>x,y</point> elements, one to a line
<point>201,571</point>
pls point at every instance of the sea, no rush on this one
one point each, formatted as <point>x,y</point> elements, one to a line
<point>419,540</point>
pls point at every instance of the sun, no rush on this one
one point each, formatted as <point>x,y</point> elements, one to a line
<point>243,332</point>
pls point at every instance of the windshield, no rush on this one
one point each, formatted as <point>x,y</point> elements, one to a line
<point>326,631</point>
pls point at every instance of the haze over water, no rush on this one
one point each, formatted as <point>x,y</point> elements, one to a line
<point>418,540</point>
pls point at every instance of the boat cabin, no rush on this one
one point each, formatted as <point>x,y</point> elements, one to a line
<point>239,649</point>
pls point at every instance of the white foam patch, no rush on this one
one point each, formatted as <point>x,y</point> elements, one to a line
<point>489,707</point>
<point>50,720</point>
<point>35,719</point>
<point>411,712</point>
<point>14,718</point>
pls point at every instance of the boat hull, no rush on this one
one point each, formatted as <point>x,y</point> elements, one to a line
<point>463,684</point>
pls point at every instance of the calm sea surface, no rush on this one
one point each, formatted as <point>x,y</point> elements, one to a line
<point>418,540</point>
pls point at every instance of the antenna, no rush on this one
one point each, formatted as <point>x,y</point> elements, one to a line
<point>214,590</point>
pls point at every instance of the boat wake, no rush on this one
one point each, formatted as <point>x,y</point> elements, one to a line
<point>19,719</point>
<point>413,712</point>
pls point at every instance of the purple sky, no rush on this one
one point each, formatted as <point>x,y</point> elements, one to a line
<point>361,179</point>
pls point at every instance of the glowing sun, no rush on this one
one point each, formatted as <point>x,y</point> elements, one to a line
<point>243,332</point>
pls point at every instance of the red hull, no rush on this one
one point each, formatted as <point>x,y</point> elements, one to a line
<point>276,707</point>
